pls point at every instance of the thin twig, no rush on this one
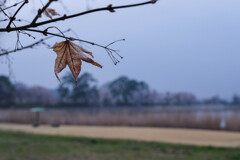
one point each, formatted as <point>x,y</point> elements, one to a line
<point>14,5</point>
<point>14,16</point>
<point>115,42</point>
<point>29,46</point>
<point>19,49</point>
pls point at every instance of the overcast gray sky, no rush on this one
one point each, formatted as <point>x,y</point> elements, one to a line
<point>175,45</point>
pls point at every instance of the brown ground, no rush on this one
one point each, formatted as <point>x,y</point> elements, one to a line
<point>180,136</point>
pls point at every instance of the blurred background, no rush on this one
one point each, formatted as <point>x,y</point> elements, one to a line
<point>120,102</point>
<point>180,62</point>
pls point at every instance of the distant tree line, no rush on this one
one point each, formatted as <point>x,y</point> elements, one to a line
<point>122,91</point>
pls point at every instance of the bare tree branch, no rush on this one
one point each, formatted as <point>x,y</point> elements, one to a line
<point>70,38</point>
<point>30,25</point>
<point>14,16</point>
<point>64,17</point>
<point>29,46</point>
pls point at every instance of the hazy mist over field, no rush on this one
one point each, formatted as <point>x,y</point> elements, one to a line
<point>188,45</point>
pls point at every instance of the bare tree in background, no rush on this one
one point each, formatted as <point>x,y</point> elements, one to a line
<point>68,53</point>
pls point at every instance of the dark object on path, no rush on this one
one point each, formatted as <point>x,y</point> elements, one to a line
<point>35,125</point>
<point>55,125</point>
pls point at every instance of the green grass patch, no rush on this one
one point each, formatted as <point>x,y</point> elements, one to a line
<point>22,146</point>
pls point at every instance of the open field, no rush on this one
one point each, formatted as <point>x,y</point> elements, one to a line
<point>177,136</point>
<point>21,146</point>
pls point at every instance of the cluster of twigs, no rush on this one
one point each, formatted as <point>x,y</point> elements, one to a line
<point>33,24</point>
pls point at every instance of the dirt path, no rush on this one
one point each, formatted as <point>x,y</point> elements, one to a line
<point>180,136</point>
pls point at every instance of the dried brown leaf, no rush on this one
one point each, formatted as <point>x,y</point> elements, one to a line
<point>49,12</point>
<point>71,54</point>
